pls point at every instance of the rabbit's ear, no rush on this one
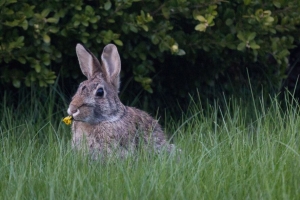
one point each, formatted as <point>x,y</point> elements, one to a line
<point>111,63</point>
<point>89,64</point>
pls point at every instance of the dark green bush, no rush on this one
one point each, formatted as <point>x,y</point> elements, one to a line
<point>167,46</point>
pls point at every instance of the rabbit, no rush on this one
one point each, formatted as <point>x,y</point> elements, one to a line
<point>100,120</point>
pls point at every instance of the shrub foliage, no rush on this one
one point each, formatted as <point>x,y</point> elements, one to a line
<point>162,38</point>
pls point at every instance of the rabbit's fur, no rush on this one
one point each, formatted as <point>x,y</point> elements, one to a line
<point>101,121</point>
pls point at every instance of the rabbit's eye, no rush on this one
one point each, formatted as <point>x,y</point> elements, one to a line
<point>100,92</point>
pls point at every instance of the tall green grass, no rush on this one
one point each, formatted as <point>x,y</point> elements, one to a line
<point>234,149</point>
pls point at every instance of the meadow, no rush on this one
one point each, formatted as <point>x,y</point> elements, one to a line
<point>238,148</point>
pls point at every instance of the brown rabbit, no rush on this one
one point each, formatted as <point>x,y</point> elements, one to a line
<point>101,122</point>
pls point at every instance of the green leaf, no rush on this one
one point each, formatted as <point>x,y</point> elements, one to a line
<point>277,4</point>
<point>12,23</point>
<point>149,89</point>
<point>94,19</point>
<point>84,39</point>
<point>111,21</point>
<point>200,27</point>
<point>211,23</point>
<point>267,12</point>
<point>20,39</point>
<point>145,27</point>
<point>149,18</point>
<point>147,81</point>
<point>259,12</point>
<point>107,5</point>
<point>50,81</point>
<point>85,23</point>
<point>154,39</point>
<point>241,46</point>
<point>166,12</point>
<point>7,2</point>
<point>206,48</point>
<point>76,23</point>
<point>78,7</point>
<point>8,12</point>
<point>118,42</point>
<point>25,24</point>
<point>210,19</point>
<point>283,53</point>
<point>269,19</point>
<point>53,29</point>
<point>251,36</point>
<point>22,60</point>
<point>253,45</point>
<point>45,12</point>
<point>229,22</point>
<point>37,68</point>
<point>46,38</point>
<point>201,18</point>
<point>230,46</point>
<point>241,36</point>
<point>247,2</point>
<point>133,28</point>
<point>142,56</point>
<point>53,20</point>
<point>16,83</point>
<point>89,10</point>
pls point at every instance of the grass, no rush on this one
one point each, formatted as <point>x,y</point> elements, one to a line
<point>231,150</point>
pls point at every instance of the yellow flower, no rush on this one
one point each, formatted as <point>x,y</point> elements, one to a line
<point>68,120</point>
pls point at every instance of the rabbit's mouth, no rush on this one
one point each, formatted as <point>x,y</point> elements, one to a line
<point>73,112</point>
<point>81,113</point>
<point>76,113</point>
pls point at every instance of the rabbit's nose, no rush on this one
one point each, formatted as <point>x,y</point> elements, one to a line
<point>72,110</point>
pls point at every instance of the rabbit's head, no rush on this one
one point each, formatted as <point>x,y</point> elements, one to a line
<point>96,99</point>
